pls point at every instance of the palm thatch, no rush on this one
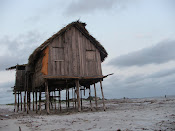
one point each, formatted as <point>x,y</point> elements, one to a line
<point>81,27</point>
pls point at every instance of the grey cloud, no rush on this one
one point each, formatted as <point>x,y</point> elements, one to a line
<point>155,84</point>
<point>89,6</point>
<point>163,73</point>
<point>17,50</point>
<point>160,53</point>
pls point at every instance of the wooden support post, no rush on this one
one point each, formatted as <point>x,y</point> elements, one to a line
<point>95,96</point>
<point>47,96</point>
<point>18,102</point>
<point>68,96</point>
<point>104,107</point>
<point>33,100</point>
<point>60,99</point>
<point>21,99</point>
<point>55,100</point>
<point>90,97</point>
<point>73,96</point>
<point>49,100</point>
<point>27,94</point>
<point>36,101</point>
<point>15,102</point>
<point>24,101</point>
<point>40,100</point>
<point>78,94</point>
<point>81,98</point>
<point>52,99</point>
<point>84,91</point>
<point>29,101</point>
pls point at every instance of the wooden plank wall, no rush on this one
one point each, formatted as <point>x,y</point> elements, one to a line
<point>72,54</point>
<point>20,79</point>
<point>38,76</point>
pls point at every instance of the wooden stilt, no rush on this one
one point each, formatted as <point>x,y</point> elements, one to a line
<point>68,96</point>
<point>24,101</point>
<point>18,102</point>
<point>27,94</point>
<point>49,100</point>
<point>81,98</point>
<point>73,96</point>
<point>90,97</point>
<point>47,97</point>
<point>29,101</point>
<point>78,95</point>
<point>84,91</point>
<point>33,100</point>
<point>15,102</point>
<point>55,100</point>
<point>104,107</point>
<point>60,99</point>
<point>36,106</point>
<point>95,96</point>
<point>21,99</point>
<point>40,100</point>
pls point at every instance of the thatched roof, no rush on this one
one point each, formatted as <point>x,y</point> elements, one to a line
<point>14,67</point>
<point>81,27</point>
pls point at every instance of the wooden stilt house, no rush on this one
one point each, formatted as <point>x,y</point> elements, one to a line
<point>70,59</point>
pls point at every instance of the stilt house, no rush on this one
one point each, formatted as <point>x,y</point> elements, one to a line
<point>71,58</point>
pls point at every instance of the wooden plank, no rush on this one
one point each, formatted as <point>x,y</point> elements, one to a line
<point>71,77</point>
<point>74,53</point>
<point>104,107</point>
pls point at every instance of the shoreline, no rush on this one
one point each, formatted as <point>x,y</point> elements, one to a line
<point>124,114</point>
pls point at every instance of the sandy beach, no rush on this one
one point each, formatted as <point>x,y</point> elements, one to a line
<point>121,114</point>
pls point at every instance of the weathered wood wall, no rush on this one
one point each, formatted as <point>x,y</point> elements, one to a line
<point>20,79</point>
<point>72,54</point>
<point>37,78</point>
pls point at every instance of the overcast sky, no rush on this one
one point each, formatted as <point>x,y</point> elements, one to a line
<point>139,36</point>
